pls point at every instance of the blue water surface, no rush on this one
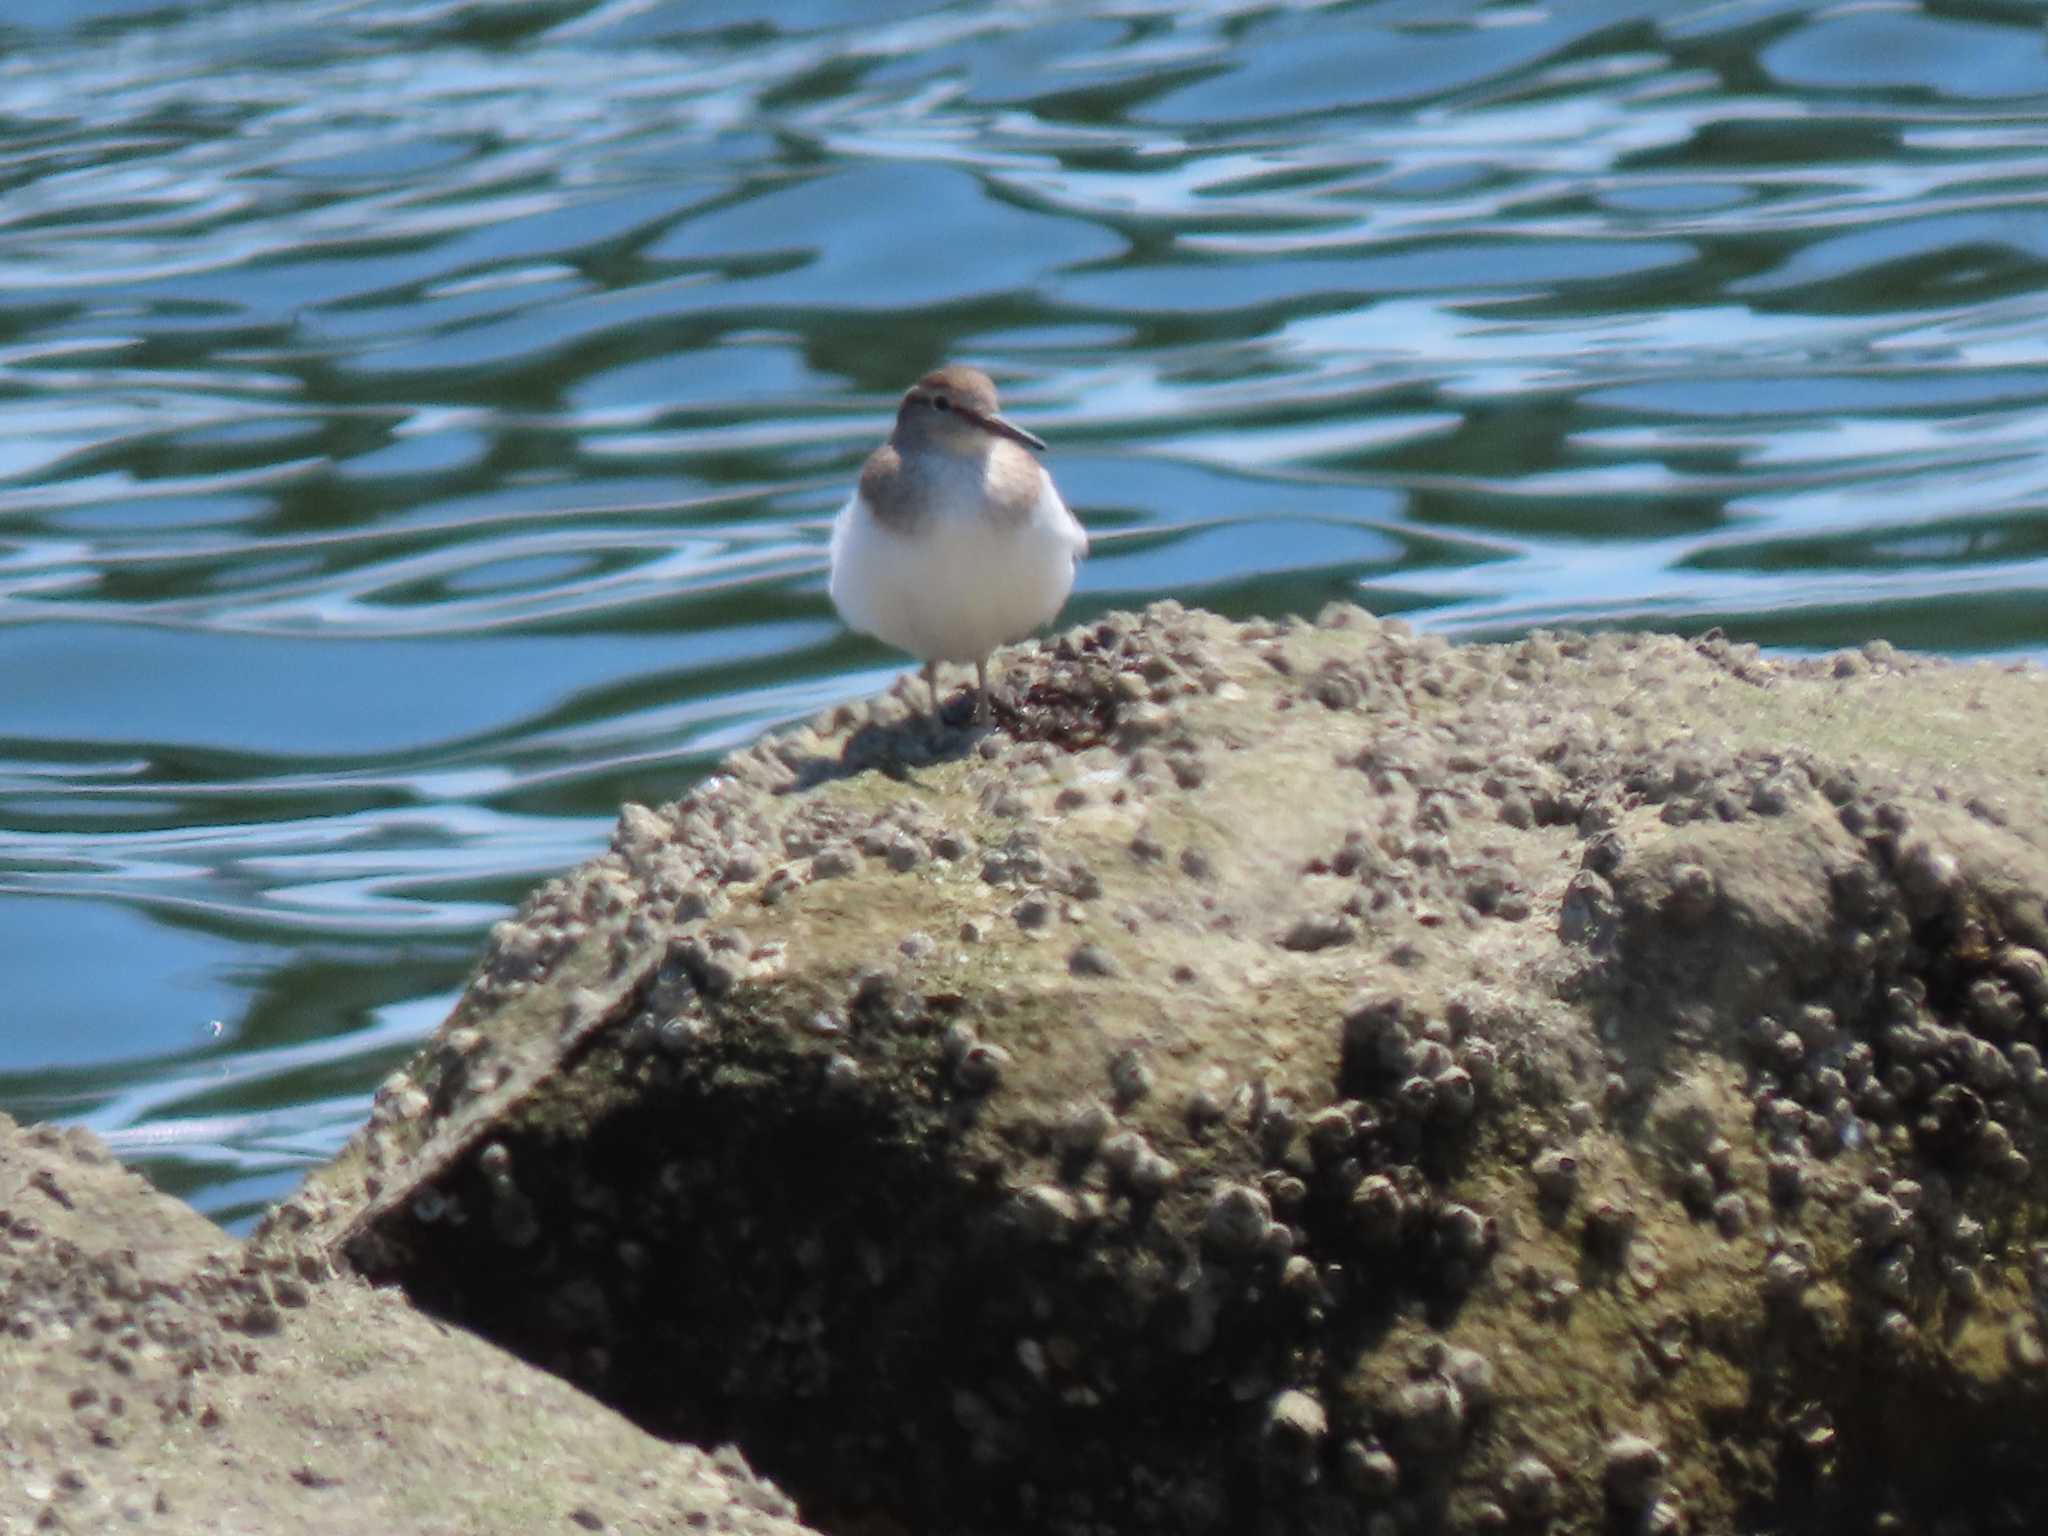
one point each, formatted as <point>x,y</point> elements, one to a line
<point>419,422</point>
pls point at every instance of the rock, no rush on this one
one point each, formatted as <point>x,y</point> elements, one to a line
<point>1377,1105</point>
<point>158,1378</point>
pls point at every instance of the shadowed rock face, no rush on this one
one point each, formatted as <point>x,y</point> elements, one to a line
<point>1289,1078</point>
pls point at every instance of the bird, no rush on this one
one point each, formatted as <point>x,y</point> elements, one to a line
<point>955,540</point>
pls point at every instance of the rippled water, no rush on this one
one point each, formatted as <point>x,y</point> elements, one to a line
<point>421,419</point>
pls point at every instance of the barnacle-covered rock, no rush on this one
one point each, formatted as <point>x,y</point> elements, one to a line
<point>156,1378</point>
<point>1288,1077</point>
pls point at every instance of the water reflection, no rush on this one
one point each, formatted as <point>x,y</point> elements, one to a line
<point>422,420</point>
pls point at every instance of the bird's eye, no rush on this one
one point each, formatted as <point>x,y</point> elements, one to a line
<point>942,402</point>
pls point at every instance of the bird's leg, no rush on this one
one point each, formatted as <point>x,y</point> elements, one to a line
<point>981,704</point>
<point>931,681</point>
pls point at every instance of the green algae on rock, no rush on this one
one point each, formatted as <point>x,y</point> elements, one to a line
<point>1289,1078</point>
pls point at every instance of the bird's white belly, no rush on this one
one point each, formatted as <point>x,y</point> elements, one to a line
<point>962,584</point>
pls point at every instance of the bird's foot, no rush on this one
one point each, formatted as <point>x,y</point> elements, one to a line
<point>984,711</point>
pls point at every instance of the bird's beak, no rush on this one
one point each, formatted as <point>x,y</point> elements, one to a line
<point>1003,428</point>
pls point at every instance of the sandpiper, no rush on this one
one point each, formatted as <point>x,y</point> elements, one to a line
<point>955,541</point>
